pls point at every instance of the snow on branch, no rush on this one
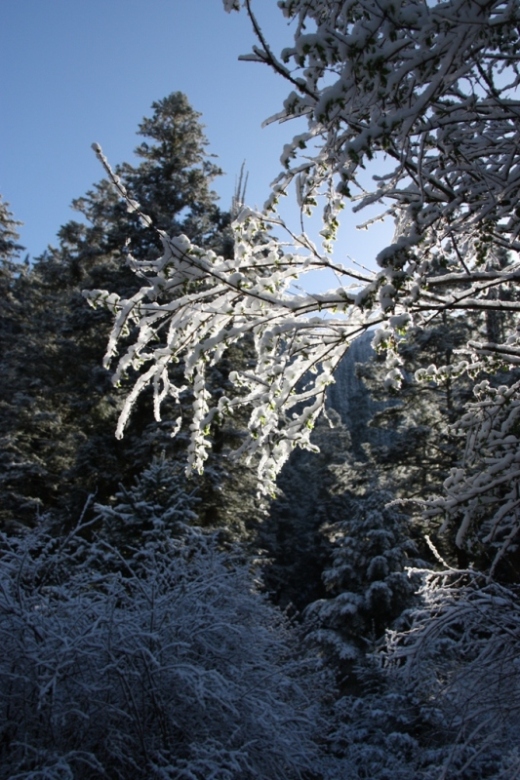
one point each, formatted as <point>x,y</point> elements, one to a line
<point>431,87</point>
<point>195,305</point>
<point>461,656</point>
<point>424,97</point>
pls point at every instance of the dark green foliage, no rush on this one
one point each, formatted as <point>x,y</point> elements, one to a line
<point>161,500</point>
<point>10,270</point>
<point>171,182</point>
<point>9,246</point>
<point>291,536</point>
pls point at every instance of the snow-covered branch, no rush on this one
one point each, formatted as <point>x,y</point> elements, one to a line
<point>461,656</point>
<point>196,305</point>
<point>427,93</point>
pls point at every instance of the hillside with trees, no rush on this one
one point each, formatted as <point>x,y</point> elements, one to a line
<point>252,532</point>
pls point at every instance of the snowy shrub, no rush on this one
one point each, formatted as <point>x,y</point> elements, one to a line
<point>460,658</point>
<point>164,664</point>
<point>396,732</point>
<point>370,739</point>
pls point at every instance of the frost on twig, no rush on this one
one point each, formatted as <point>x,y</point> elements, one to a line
<point>195,305</point>
<point>460,657</point>
<point>425,98</point>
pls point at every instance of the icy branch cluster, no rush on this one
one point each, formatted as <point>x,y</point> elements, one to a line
<point>427,92</point>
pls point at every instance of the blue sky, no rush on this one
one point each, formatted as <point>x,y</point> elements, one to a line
<point>78,71</point>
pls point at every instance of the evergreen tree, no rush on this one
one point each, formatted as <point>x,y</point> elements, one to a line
<point>10,269</point>
<point>368,590</point>
<point>159,501</point>
<point>12,318</point>
<point>58,424</point>
<point>9,246</point>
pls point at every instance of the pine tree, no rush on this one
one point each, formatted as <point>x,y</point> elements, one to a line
<point>160,501</point>
<point>9,246</point>
<point>367,588</point>
<point>58,424</point>
<point>12,318</point>
<point>10,269</point>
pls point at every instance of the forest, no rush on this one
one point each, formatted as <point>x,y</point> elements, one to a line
<point>251,531</point>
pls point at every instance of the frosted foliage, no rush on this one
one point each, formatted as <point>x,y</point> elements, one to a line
<point>423,96</point>
<point>159,502</point>
<point>484,489</point>
<point>394,735</point>
<point>461,657</point>
<point>164,663</point>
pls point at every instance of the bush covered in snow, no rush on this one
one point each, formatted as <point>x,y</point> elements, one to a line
<point>165,664</point>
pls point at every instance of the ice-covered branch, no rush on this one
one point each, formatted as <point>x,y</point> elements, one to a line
<point>423,96</point>
<point>195,305</point>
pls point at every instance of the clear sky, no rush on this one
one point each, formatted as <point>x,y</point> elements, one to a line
<point>78,71</point>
